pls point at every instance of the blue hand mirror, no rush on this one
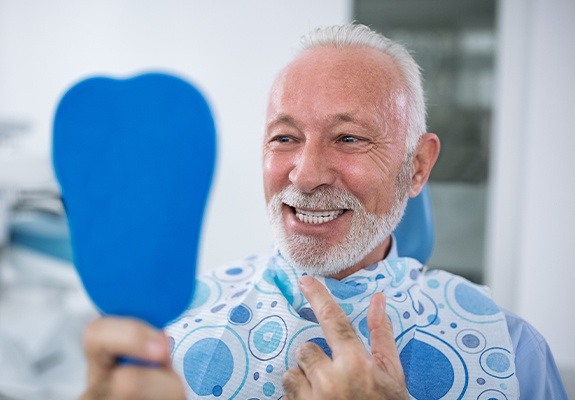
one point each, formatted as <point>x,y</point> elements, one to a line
<point>134,159</point>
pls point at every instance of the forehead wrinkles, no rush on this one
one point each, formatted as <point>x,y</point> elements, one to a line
<point>352,80</point>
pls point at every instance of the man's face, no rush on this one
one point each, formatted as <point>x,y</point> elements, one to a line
<point>334,148</point>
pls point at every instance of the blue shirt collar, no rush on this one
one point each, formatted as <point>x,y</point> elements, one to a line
<point>392,249</point>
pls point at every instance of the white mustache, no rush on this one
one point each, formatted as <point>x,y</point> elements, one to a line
<point>325,198</point>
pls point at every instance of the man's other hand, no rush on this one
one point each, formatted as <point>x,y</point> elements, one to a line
<point>353,373</point>
<point>108,339</point>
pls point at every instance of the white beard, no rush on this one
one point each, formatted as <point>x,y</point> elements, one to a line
<point>313,254</point>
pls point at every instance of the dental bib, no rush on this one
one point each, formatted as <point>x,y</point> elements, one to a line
<point>246,321</point>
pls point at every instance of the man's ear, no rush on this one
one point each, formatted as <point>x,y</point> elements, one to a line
<point>423,161</point>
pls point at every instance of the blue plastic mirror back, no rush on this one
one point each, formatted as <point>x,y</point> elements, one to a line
<point>135,159</point>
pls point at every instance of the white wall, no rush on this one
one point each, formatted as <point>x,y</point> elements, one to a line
<point>532,206</point>
<point>230,49</point>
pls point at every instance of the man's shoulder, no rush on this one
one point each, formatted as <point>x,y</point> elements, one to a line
<point>429,275</point>
<point>526,339</point>
<point>535,365</point>
<point>524,336</point>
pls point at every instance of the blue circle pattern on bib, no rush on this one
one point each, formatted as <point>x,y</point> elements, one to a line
<point>268,338</point>
<point>246,321</point>
<point>214,362</point>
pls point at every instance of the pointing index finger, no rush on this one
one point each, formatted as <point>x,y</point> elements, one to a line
<point>337,329</point>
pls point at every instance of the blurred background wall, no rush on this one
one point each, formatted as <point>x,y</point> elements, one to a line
<point>231,50</point>
<point>506,222</point>
<point>532,192</point>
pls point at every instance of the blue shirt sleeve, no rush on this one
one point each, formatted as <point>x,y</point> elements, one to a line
<point>535,367</point>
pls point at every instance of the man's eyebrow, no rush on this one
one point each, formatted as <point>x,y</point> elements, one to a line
<point>282,119</point>
<point>333,120</point>
<point>343,117</point>
<point>346,117</point>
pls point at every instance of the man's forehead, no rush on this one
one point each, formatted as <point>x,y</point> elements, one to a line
<point>345,70</point>
<point>341,63</point>
<point>349,79</point>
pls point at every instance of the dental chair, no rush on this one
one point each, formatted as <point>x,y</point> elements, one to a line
<point>415,234</point>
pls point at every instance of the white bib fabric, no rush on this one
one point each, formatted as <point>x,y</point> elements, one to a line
<point>246,321</point>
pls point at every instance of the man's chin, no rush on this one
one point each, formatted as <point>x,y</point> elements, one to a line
<point>316,269</point>
<point>316,259</point>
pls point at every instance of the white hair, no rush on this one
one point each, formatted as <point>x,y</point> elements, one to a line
<point>356,35</point>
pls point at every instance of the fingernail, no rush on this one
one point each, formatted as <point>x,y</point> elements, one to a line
<point>306,280</point>
<point>383,302</point>
<point>380,298</point>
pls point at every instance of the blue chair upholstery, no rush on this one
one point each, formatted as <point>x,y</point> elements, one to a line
<point>44,233</point>
<point>415,233</point>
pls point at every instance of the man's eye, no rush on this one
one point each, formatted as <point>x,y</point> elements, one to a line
<point>348,139</point>
<point>282,139</point>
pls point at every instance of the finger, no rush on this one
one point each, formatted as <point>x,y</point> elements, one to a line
<point>296,385</point>
<point>380,331</point>
<point>311,359</point>
<point>336,328</point>
<point>146,384</point>
<point>108,338</point>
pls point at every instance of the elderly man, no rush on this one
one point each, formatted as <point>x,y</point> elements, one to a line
<point>334,313</point>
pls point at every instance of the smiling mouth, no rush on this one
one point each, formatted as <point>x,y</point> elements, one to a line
<point>317,217</point>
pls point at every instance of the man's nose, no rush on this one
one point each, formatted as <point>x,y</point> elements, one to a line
<point>312,168</point>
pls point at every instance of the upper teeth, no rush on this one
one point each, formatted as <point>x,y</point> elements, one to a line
<point>317,217</point>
